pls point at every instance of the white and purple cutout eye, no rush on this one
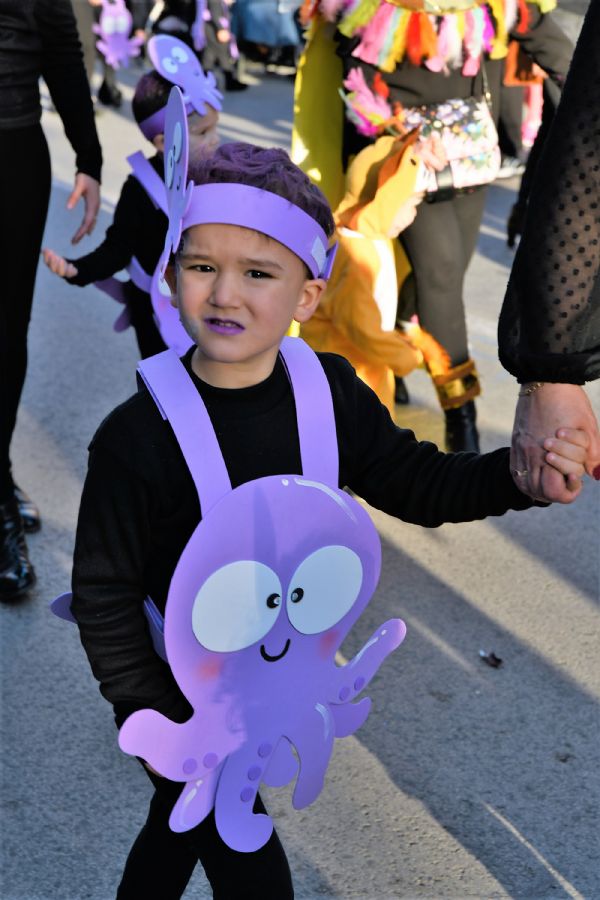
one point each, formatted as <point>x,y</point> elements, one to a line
<point>178,64</point>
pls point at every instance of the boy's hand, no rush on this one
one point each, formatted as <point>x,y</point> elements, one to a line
<point>551,408</point>
<point>58,264</point>
<point>567,453</point>
<point>87,187</point>
<point>223,35</point>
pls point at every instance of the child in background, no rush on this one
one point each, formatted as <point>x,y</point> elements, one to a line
<point>139,225</point>
<point>237,291</point>
<point>357,315</point>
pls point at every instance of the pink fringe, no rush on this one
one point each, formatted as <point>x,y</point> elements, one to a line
<point>375,34</point>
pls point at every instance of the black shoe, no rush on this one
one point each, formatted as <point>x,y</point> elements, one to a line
<point>30,514</point>
<point>400,392</point>
<point>16,572</point>
<point>110,95</point>
<point>461,432</point>
<point>232,84</point>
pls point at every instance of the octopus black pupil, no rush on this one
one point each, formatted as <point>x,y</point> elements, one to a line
<point>272,601</point>
<point>297,595</point>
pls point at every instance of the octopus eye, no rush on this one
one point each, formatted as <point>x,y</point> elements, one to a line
<point>331,580</point>
<point>229,611</point>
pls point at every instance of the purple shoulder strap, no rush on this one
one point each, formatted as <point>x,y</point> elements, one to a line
<point>150,180</point>
<point>314,411</point>
<point>180,403</point>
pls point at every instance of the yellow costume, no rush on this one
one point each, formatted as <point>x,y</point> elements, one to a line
<point>357,314</point>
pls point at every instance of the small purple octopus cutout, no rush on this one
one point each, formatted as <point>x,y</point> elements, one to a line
<point>266,590</point>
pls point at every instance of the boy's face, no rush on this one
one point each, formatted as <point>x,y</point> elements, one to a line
<point>202,130</point>
<point>237,292</point>
<point>203,136</point>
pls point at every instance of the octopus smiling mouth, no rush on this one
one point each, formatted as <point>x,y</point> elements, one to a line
<point>268,658</point>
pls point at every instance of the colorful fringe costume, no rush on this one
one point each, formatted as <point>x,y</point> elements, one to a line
<point>442,34</point>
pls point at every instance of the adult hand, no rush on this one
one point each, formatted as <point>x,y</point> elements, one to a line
<point>58,264</point>
<point>88,188</point>
<point>223,35</point>
<point>538,418</point>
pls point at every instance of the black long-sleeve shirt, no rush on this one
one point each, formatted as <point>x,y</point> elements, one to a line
<point>549,326</point>
<point>38,38</point>
<point>139,505</point>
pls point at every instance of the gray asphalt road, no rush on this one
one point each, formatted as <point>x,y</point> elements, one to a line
<point>467,781</point>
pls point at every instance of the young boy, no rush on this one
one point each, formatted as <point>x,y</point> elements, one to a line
<point>139,225</point>
<point>236,291</point>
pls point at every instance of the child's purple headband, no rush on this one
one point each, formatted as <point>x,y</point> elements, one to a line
<point>229,203</point>
<point>179,65</point>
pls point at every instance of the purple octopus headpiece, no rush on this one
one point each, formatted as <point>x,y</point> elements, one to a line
<point>179,65</point>
<point>234,204</point>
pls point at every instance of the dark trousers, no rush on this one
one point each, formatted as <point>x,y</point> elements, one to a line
<point>439,245</point>
<point>161,862</point>
<point>215,53</point>
<point>24,195</point>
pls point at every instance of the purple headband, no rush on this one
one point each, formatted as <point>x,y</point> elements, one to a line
<point>228,203</point>
<point>241,204</point>
<point>179,65</point>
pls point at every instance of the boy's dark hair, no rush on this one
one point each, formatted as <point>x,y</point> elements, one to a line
<point>269,169</point>
<point>151,94</point>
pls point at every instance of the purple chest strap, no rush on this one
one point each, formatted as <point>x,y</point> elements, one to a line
<point>180,403</point>
<point>149,179</point>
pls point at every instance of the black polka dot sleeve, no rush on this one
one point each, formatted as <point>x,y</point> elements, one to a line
<point>549,326</point>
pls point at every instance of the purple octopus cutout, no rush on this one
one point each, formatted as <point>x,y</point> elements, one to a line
<point>114,31</point>
<point>270,583</point>
<point>176,62</point>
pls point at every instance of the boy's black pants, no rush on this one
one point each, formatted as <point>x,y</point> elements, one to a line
<point>161,862</point>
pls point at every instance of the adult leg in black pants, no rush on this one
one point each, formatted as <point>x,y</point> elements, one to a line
<point>439,245</point>
<point>25,191</point>
<point>161,862</point>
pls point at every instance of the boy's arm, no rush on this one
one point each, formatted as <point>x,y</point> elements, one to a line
<point>413,480</point>
<point>111,552</point>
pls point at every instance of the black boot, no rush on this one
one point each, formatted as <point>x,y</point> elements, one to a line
<point>232,84</point>
<point>16,571</point>
<point>400,391</point>
<point>461,432</point>
<point>29,512</point>
<point>110,95</point>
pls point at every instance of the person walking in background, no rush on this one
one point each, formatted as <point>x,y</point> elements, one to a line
<point>395,57</point>
<point>86,14</point>
<point>38,39</point>
<point>213,40</point>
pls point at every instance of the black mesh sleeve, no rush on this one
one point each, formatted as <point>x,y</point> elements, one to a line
<point>549,326</point>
